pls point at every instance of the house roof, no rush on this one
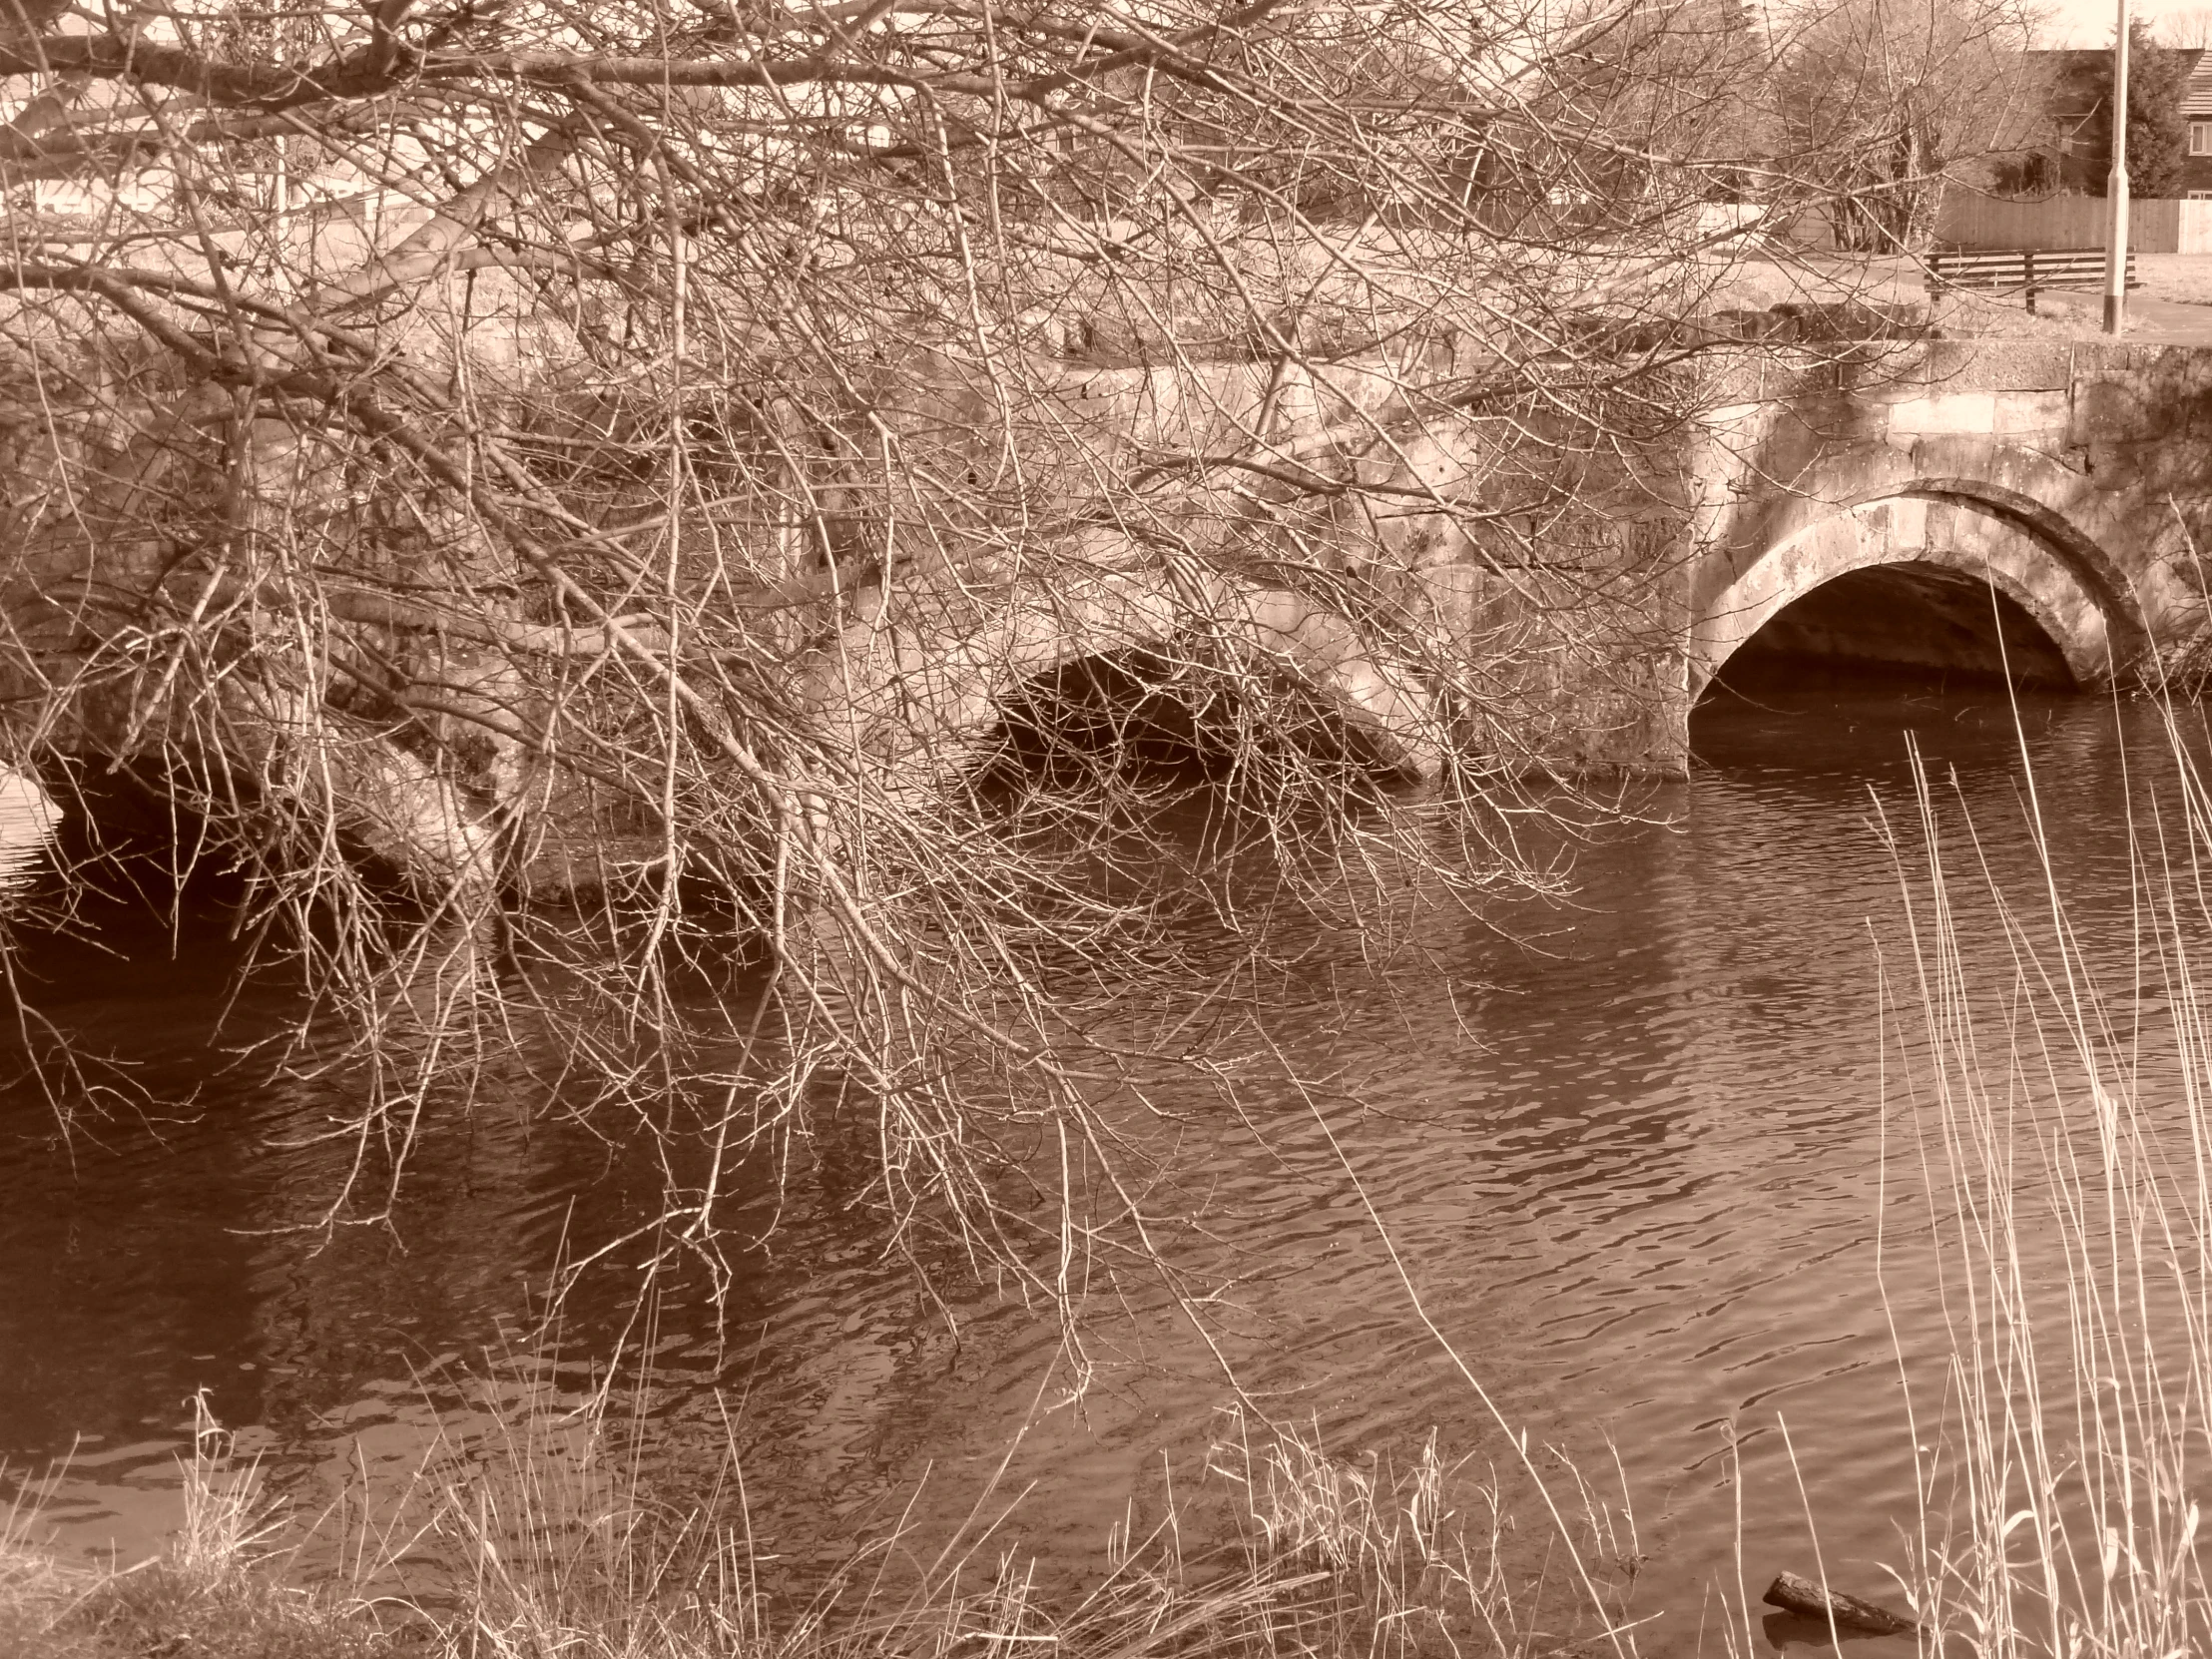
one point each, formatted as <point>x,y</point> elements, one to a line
<point>2196,97</point>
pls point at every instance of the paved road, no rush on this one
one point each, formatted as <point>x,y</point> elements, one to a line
<point>2166,321</point>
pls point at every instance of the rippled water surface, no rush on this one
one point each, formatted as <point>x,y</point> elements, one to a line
<point>1631,1152</point>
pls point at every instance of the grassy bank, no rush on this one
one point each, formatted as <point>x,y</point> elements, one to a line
<point>49,1612</point>
<point>218,1589</point>
<point>1276,1548</point>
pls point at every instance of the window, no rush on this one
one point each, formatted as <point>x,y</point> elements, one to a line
<point>2200,196</point>
<point>2200,138</point>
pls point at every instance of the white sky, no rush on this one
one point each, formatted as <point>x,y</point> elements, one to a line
<point>2089,22</point>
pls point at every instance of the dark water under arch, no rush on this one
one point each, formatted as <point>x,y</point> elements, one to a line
<point>1912,620</point>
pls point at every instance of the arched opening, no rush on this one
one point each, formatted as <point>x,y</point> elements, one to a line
<point>128,850</point>
<point>1934,585</point>
<point>1135,712</point>
<point>1918,623</point>
<point>1160,723</point>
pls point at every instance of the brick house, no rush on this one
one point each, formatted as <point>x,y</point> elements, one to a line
<point>2196,106</point>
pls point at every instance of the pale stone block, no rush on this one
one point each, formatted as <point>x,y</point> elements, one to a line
<point>1947,413</point>
<point>2031,411</point>
<point>1897,526</point>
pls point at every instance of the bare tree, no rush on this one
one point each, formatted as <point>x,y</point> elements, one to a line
<point>1887,102</point>
<point>558,494</point>
<point>2189,30</point>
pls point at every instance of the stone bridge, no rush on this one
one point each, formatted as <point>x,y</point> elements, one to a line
<point>1978,507</point>
<point>1870,522</point>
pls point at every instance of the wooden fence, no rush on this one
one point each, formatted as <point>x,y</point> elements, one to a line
<point>2155,226</point>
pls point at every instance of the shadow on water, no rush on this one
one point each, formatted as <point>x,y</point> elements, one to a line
<point>1787,1633</point>
<point>175,1125</point>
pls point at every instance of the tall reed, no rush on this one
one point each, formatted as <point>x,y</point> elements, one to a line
<point>549,1541</point>
<point>2055,1109</point>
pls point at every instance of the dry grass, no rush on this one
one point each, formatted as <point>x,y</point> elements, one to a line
<point>2003,316</point>
<point>1893,283</point>
<point>210,1595</point>
<point>2184,278</point>
<point>1281,1551</point>
<point>1890,282</point>
<point>543,1544</point>
<point>162,1610</point>
<point>2062,1126</point>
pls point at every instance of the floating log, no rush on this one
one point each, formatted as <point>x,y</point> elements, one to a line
<point>1801,1595</point>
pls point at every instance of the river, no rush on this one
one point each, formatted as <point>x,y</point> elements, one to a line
<point>1632,1153</point>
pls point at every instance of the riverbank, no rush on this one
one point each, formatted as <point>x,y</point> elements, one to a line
<point>1275,1549</point>
<point>48,1611</point>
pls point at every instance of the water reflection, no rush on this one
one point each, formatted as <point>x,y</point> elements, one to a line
<point>1631,1151</point>
<point>27,819</point>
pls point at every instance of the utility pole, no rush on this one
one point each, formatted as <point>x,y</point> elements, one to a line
<point>2116,191</point>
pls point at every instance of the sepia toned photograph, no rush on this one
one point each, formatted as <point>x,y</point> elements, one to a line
<point>1105,830</point>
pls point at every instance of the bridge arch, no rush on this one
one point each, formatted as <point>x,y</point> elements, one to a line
<point>919,692</point>
<point>1932,529</point>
